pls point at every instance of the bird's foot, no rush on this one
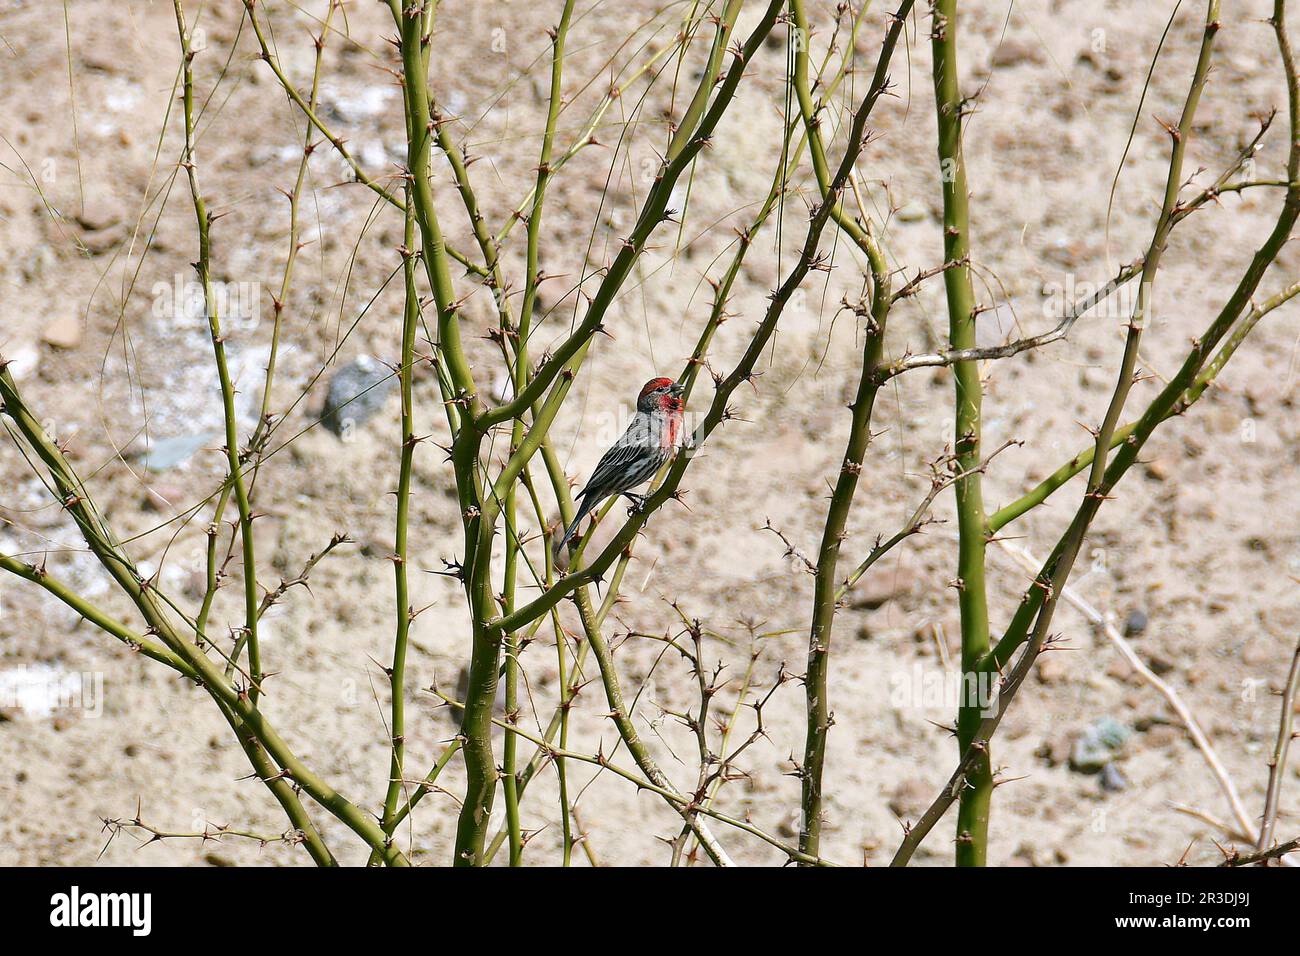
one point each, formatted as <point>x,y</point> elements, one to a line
<point>637,505</point>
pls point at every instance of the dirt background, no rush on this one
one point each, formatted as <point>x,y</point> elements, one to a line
<point>1203,540</point>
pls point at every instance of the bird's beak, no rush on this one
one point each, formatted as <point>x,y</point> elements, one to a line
<point>677,388</point>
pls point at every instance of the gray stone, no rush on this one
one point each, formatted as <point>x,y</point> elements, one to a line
<point>1135,625</point>
<point>1112,781</point>
<point>169,452</point>
<point>357,393</point>
<point>1096,747</point>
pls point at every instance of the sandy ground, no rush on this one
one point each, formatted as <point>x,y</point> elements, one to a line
<point>1203,540</point>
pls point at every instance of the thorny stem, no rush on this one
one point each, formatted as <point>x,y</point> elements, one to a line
<point>400,558</point>
<point>236,701</point>
<point>480,770</point>
<point>873,333</point>
<point>690,120</point>
<point>653,213</point>
<point>203,267</point>
<point>1277,760</point>
<point>627,730</point>
<point>309,111</point>
<point>685,805</point>
<point>1151,262</point>
<point>295,233</point>
<point>972,595</point>
<point>1039,602</point>
<point>719,410</point>
<point>482,511</point>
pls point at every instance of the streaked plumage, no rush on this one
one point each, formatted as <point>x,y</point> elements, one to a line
<point>650,440</point>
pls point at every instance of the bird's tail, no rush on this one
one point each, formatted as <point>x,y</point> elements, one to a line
<point>584,509</point>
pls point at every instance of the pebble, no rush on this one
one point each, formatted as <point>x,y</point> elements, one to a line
<point>1257,653</point>
<point>63,333</point>
<point>1135,625</point>
<point>1016,52</point>
<point>1157,469</point>
<point>913,211</point>
<point>1163,735</point>
<point>1112,781</point>
<point>1096,747</point>
<point>357,393</point>
<point>1159,665</point>
<point>880,586</point>
<point>1051,669</point>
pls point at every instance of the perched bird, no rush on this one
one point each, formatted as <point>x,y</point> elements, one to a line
<point>650,440</point>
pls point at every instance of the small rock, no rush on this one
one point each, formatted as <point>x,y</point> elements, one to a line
<point>217,859</point>
<point>1016,52</point>
<point>913,211</point>
<point>1162,735</point>
<point>863,633</point>
<point>1135,625</point>
<point>1097,746</point>
<point>1054,751</point>
<point>1157,469</point>
<point>97,215</point>
<point>910,799</point>
<point>1159,665</point>
<point>63,333</point>
<point>1112,781</point>
<point>1256,653</point>
<point>1120,670</point>
<point>357,393</point>
<point>881,586</point>
<point>1051,669</point>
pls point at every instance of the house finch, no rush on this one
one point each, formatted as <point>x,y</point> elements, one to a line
<point>650,440</point>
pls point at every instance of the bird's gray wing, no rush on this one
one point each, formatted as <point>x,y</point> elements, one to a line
<point>616,463</point>
<point>613,463</point>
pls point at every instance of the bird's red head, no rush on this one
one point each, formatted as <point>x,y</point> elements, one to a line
<point>660,394</point>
